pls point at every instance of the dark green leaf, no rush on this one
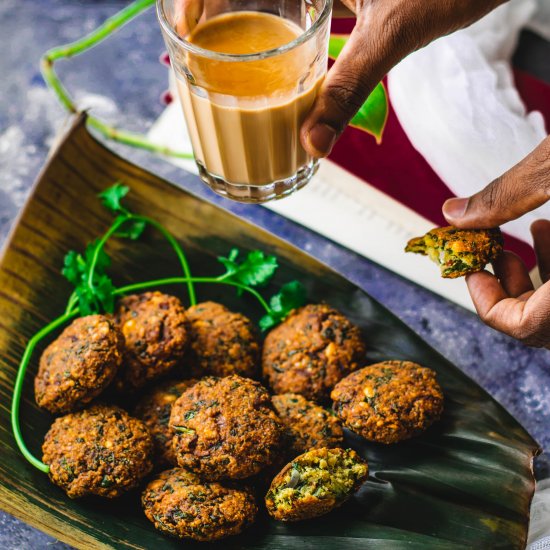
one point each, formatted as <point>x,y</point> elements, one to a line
<point>256,270</point>
<point>86,301</point>
<point>230,262</point>
<point>97,297</point>
<point>103,290</point>
<point>373,114</point>
<point>336,44</point>
<point>111,197</point>
<point>73,267</point>
<point>102,261</point>
<point>132,229</point>
<point>268,321</point>
<point>291,296</point>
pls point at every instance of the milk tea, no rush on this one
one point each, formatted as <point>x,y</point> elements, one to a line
<point>244,117</point>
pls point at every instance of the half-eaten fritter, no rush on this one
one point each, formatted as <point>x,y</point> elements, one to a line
<point>180,504</point>
<point>98,451</point>
<point>458,251</point>
<point>390,401</point>
<point>315,483</point>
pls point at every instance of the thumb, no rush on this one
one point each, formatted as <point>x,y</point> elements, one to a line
<point>346,87</point>
<point>523,188</point>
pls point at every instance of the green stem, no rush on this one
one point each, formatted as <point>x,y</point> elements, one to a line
<point>161,229</point>
<point>101,244</point>
<point>18,387</point>
<point>73,301</point>
<point>178,280</point>
<point>179,252</point>
<point>74,48</point>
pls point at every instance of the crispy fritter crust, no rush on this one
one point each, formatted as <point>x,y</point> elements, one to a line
<point>225,428</point>
<point>459,251</point>
<point>98,451</point>
<point>222,342</point>
<point>315,347</point>
<point>79,365</point>
<point>180,504</point>
<point>308,426</point>
<point>156,331</point>
<point>154,409</point>
<point>390,401</point>
<point>315,483</point>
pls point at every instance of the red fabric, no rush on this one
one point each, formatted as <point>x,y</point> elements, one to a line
<point>399,170</point>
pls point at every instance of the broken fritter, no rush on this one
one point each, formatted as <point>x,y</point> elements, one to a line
<point>458,251</point>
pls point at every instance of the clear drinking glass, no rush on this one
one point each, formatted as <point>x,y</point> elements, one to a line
<point>244,110</point>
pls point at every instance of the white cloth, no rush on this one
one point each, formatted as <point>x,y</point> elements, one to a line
<point>457,103</point>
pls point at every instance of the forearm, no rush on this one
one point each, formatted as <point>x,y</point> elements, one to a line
<point>400,27</point>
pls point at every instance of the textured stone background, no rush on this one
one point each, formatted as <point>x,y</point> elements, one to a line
<point>121,80</point>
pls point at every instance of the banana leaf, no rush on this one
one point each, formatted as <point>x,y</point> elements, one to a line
<point>466,483</point>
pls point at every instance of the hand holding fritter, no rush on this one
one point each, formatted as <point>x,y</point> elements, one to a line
<point>508,301</point>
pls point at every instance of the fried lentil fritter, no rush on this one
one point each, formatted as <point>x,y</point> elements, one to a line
<point>308,425</point>
<point>156,331</point>
<point>98,451</point>
<point>315,347</point>
<point>222,342</point>
<point>180,504</point>
<point>154,409</point>
<point>79,365</point>
<point>458,251</point>
<point>389,401</point>
<point>315,483</point>
<point>225,428</point>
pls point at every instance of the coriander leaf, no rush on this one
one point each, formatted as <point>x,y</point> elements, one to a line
<point>103,261</point>
<point>111,197</point>
<point>132,229</point>
<point>73,266</point>
<point>291,296</point>
<point>99,296</point>
<point>103,290</point>
<point>256,270</point>
<point>267,322</point>
<point>230,263</point>
<point>86,302</point>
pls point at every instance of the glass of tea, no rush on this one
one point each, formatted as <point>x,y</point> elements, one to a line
<point>247,73</point>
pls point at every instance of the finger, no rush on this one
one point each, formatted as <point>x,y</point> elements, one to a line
<point>346,87</point>
<point>368,54</point>
<point>541,237</point>
<point>523,188</point>
<point>512,274</point>
<point>526,319</point>
<point>485,291</point>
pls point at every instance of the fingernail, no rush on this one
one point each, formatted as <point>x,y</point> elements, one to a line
<point>455,208</point>
<point>321,138</point>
